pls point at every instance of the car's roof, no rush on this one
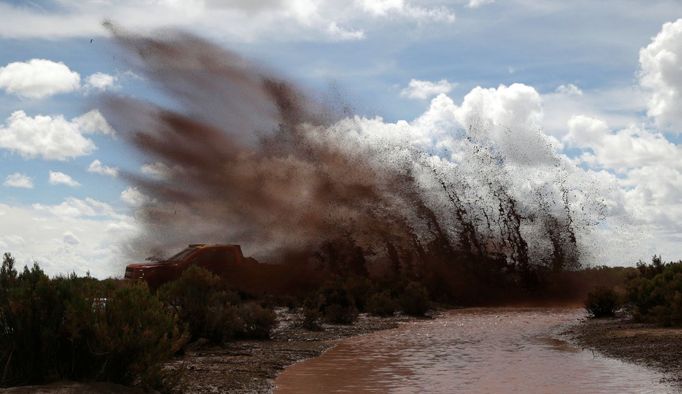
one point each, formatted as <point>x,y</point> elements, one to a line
<point>201,246</point>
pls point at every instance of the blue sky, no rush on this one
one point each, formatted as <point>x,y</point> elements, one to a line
<point>367,52</point>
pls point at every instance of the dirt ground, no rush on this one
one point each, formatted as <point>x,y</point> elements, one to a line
<point>620,337</point>
<point>251,366</point>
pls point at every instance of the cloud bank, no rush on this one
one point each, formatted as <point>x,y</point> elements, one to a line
<point>38,78</point>
<point>236,20</point>
<point>51,137</point>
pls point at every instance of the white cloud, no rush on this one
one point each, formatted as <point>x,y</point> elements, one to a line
<point>342,34</point>
<point>18,180</point>
<point>570,90</point>
<point>100,82</point>
<point>645,199</point>
<point>38,78</point>
<point>98,168</point>
<point>510,117</point>
<point>51,137</point>
<point>156,170</point>
<point>70,238</point>
<point>235,20</point>
<point>67,243</point>
<point>661,75</point>
<point>478,3</point>
<point>618,106</point>
<point>636,172</point>
<point>78,208</point>
<point>418,89</point>
<point>625,149</point>
<point>383,8</point>
<point>93,122</point>
<point>516,106</point>
<point>133,197</point>
<point>59,178</point>
<point>585,131</point>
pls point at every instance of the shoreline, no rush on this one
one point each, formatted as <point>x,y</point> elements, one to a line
<point>252,366</point>
<point>659,348</point>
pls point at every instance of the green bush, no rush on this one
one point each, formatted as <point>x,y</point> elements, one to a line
<point>212,311</point>
<point>602,302</point>
<point>656,294</point>
<point>134,334</point>
<point>414,300</point>
<point>359,289</point>
<point>257,322</point>
<point>80,328</point>
<point>336,304</point>
<point>382,304</point>
<point>311,315</point>
<point>31,315</point>
<point>201,302</point>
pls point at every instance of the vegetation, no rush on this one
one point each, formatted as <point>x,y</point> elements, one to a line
<point>336,304</point>
<point>81,328</point>
<point>652,293</point>
<point>311,315</point>
<point>382,304</point>
<point>199,299</point>
<point>256,321</point>
<point>655,293</point>
<point>602,302</point>
<point>213,311</point>
<point>415,299</point>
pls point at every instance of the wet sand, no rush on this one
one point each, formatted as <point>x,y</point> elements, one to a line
<point>645,344</point>
<point>251,366</point>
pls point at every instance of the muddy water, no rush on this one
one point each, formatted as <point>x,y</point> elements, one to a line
<point>470,350</point>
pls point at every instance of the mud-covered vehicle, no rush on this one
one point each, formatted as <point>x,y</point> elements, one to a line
<point>219,259</point>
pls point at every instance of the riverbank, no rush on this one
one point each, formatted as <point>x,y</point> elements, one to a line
<point>240,366</point>
<point>251,366</point>
<point>620,337</point>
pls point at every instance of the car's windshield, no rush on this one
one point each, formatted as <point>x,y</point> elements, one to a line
<point>181,256</point>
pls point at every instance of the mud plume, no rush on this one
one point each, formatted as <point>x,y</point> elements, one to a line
<point>247,158</point>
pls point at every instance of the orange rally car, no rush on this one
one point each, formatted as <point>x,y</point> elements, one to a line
<point>218,259</point>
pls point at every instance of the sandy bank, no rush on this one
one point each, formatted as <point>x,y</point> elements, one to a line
<point>251,366</point>
<point>620,337</point>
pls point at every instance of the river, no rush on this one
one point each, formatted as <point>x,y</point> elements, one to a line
<point>482,350</point>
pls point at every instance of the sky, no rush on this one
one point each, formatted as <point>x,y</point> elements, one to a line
<point>601,80</point>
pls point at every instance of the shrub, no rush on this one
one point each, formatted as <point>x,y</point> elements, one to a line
<point>414,300</point>
<point>214,312</point>
<point>201,301</point>
<point>257,321</point>
<point>31,316</point>
<point>134,334</point>
<point>602,302</point>
<point>338,314</point>
<point>656,294</point>
<point>336,304</point>
<point>359,289</point>
<point>80,328</point>
<point>381,304</point>
<point>311,315</point>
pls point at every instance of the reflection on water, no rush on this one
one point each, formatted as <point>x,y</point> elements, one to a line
<point>470,350</point>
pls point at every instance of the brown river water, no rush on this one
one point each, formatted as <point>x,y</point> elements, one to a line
<point>486,350</point>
